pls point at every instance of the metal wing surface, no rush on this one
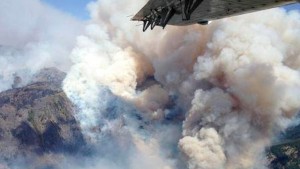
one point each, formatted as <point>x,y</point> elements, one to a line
<point>216,9</point>
<point>185,12</point>
<point>146,10</point>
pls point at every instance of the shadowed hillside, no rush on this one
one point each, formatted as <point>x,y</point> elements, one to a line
<point>37,120</point>
<point>38,129</point>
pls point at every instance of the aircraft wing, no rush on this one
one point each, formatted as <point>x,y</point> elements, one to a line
<point>185,12</point>
<point>146,10</point>
<point>158,12</point>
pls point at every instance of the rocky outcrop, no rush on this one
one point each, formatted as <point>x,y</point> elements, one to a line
<point>286,153</point>
<point>38,129</point>
<point>37,120</point>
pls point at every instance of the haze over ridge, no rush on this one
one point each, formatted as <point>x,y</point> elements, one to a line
<point>191,97</point>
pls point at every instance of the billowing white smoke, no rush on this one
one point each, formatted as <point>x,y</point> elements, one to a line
<point>252,64</point>
<point>223,91</point>
<point>33,36</point>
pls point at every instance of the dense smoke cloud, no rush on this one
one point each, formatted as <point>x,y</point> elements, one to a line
<point>193,97</point>
<point>220,94</point>
<point>33,36</point>
<point>255,89</point>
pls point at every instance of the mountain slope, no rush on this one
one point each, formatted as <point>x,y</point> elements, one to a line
<point>38,119</point>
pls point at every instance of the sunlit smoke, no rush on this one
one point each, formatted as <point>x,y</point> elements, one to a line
<point>220,92</point>
<point>33,36</point>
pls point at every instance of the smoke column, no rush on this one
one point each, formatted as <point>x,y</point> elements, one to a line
<point>195,97</point>
<point>33,36</point>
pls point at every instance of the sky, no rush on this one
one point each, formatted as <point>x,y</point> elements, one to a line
<point>78,8</point>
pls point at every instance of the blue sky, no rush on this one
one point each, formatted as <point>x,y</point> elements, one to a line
<point>78,9</point>
<point>293,7</point>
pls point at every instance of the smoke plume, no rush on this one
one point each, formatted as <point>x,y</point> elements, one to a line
<point>192,97</point>
<point>196,97</point>
<point>33,36</point>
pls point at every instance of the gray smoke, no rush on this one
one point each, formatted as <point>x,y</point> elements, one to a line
<point>33,36</point>
<point>222,91</point>
<point>194,97</point>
